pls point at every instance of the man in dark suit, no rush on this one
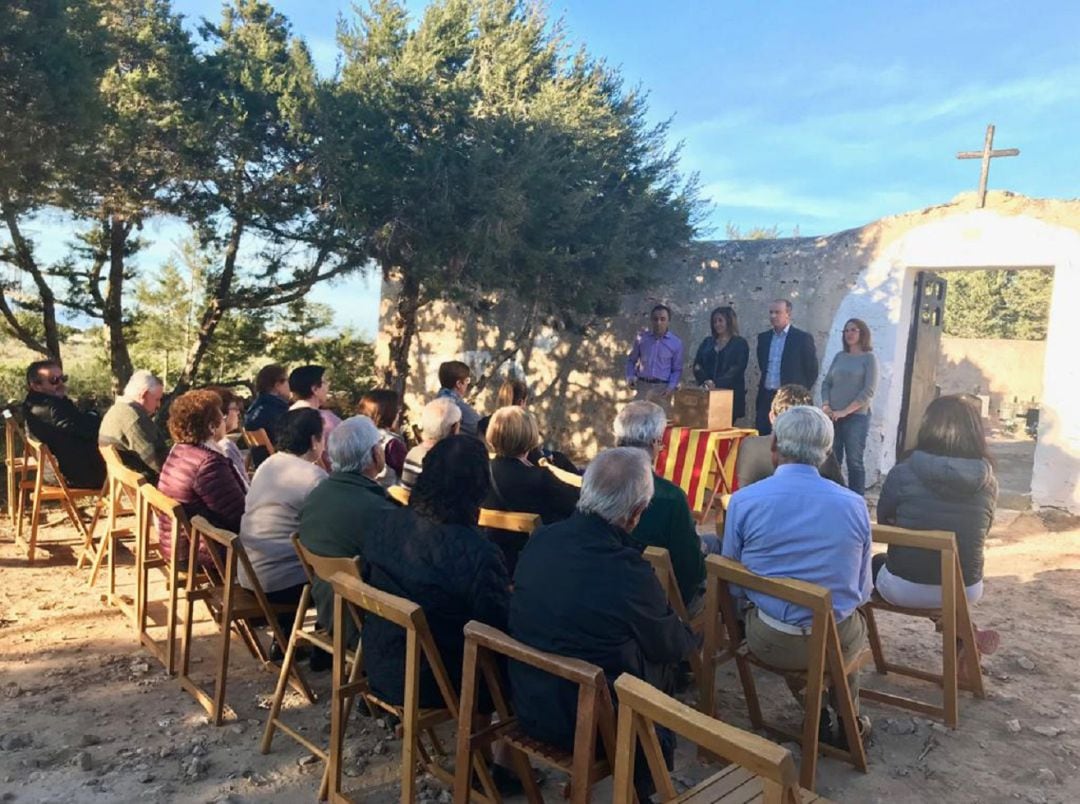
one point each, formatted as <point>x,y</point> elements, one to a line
<point>785,355</point>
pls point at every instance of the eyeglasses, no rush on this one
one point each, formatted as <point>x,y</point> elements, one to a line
<point>58,380</point>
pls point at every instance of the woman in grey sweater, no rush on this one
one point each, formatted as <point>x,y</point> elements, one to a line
<point>846,393</point>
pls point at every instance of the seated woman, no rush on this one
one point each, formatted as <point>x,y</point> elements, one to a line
<point>279,489</point>
<point>197,474</point>
<point>433,554</point>
<point>383,407</point>
<point>516,392</point>
<point>233,408</point>
<point>946,483</point>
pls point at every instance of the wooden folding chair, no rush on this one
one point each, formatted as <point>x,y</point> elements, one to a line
<point>595,716</point>
<point>399,494</point>
<point>315,566</point>
<point>419,643</point>
<point>725,467</point>
<point>954,618</point>
<point>15,463</point>
<point>259,438</point>
<point>760,771</point>
<point>660,559</point>
<point>231,606</point>
<point>37,461</point>
<point>509,531</point>
<point>826,665</point>
<point>122,500</point>
<point>155,506</point>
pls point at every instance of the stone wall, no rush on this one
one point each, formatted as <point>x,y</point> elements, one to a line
<point>1005,370</point>
<point>577,376</point>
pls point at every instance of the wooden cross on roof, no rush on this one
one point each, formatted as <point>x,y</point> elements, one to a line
<point>986,154</point>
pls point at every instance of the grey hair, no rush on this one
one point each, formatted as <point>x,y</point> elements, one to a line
<point>350,444</point>
<point>438,418</point>
<point>804,434</point>
<point>640,424</point>
<point>617,482</point>
<point>140,384</point>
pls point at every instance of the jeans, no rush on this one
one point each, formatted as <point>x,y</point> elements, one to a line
<point>849,440</point>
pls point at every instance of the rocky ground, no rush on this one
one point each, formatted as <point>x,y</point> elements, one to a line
<point>88,715</point>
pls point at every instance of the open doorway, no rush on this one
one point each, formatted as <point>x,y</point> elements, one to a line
<point>988,340</point>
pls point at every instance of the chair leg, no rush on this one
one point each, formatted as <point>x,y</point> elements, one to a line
<point>170,638</point>
<point>874,638</point>
<point>966,628</point>
<point>842,690</point>
<point>286,667</point>
<point>223,660</point>
<point>35,516</point>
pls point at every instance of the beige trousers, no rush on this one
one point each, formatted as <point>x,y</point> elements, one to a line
<point>791,651</point>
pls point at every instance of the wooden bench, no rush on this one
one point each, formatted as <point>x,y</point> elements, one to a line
<point>595,716</point>
<point>826,665</point>
<point>409,616</point>
<point>954,618</point>
<point>760,771</point>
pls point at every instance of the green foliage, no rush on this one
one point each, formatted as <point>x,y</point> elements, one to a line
<point>999,304</point>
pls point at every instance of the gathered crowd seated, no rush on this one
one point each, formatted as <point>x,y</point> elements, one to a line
<point>440,418</point>
<point>454,380</point>
<point>69,433</point>
<point>271,402</point>
<point>755,459</point>
<point>348,505</point>
<point>582,589</point>
<point>197,473</point>
<point>668,521</point>
<point>798,525</point>
<point>129,425</point>
<point>383,407</point>
<point>279,489</point>
<point>946,483</point>
<point>516,483</point>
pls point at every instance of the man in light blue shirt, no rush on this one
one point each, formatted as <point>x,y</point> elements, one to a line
<point>796,524</point>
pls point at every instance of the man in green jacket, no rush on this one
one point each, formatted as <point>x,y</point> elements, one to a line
<point>667,522</point>
<point>347,505</point>
<point>129,425</point>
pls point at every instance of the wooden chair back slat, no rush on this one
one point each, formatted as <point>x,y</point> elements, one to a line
<point>576,671</point>
<point>121,483</point>
<point>399,494</point>
<point>509,521</point>
<point>259,438</point>
<point>324,567</point>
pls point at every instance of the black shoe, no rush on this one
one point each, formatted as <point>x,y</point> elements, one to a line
<point>320,660</point>
<point>825,732</point>
<point>507,782</point>
<point>838,736</point>
<point>276,653</point>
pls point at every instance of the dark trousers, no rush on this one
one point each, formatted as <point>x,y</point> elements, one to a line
<point>290,595</point>
<point>849,441</point>
<point>764,402</point>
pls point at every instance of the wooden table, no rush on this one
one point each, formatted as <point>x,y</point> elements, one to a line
<point>701,462</point>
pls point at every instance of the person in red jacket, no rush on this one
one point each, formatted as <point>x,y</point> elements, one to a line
<point>197,473</point>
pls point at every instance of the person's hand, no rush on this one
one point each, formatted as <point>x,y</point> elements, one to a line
<point>828,411</point>
<point>709,384</point>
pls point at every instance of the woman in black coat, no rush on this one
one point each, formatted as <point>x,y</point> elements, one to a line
<point>722,359</point>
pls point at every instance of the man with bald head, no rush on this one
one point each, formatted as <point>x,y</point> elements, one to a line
<point>785,354</point>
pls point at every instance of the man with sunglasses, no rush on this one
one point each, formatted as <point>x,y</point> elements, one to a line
<point>70,434</point>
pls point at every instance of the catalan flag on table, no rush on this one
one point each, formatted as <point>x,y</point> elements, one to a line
<point>688,459</point>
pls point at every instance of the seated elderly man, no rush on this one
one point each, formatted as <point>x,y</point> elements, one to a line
<point>348,504</point>
<point>755,461</point>
<point>53,418</point>
<point>582,589</point>
<point>439,419</point>
<point>796,524</point>
<point>667,522</point>
<point>129,426</point>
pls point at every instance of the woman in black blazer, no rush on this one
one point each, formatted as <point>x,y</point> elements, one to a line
<point>722,358</point>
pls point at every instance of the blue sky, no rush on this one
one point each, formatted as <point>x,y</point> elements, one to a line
<point>816,115</point>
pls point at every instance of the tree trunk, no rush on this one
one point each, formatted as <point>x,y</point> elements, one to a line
<point>402,332</point>
<point>215,310</point>
<point>112,313</point>
<point>24,260</point>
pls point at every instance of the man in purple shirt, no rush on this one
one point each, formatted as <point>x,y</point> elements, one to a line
<point>654,365</point>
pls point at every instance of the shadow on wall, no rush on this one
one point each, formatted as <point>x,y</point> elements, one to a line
<point>577,376</point>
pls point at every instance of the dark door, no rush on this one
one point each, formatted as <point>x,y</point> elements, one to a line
<point>924,346</point>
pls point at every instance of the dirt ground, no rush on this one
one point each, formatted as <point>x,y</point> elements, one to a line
<point>88,715</point>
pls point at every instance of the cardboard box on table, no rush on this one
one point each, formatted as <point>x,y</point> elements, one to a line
<point>702,409</point>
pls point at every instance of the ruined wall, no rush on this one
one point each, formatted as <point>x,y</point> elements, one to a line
<point>866,273</point>
<point>1003,369</point>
